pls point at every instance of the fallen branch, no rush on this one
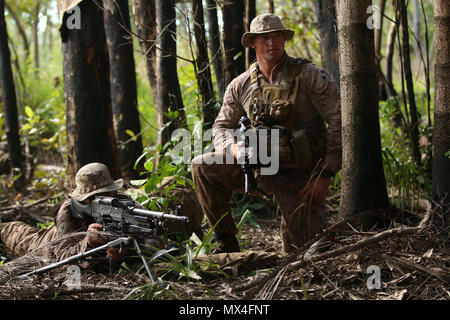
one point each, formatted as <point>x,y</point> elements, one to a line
<point>397,232</point>
<point>271,286</point>
<point>258,283</point>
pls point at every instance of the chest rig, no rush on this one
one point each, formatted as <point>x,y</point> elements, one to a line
<point>271,107</point>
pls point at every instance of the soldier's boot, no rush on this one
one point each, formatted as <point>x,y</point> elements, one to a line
<point>226,243</point>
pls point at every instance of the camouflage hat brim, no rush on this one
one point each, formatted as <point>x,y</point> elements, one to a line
<point>116,185</point>
<point>246,38</point>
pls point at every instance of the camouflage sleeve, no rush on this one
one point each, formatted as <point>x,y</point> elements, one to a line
<point>67,224</point>
<point>67,248</point>
<point>324,94</point>
<point>228,117</point>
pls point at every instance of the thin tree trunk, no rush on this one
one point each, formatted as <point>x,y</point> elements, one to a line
<point>382,95</point>
<point>36,39</point>
<point>145,20</point>
<point>20,29</point>
<point>123,84</point>
<point>414,124</point>
<point>326,18</point>
<point>379,31</point>
<point>168,86</point>
<point>89,119</point>
<point>233,29</point>
<point>214,44</point>
<point>202,66</point>
<point>8,93</point>
<point>390,90</point>
<point>363,180</point>
<point>270,6</point>
<point>417,28</point>
<point>441,135</point>
<point>390,46</point>
<point>250,13</point>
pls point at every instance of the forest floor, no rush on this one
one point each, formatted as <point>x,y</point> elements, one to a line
<point>412,264</point>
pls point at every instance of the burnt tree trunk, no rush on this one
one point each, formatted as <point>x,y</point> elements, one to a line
<point>233,29</point>
<point>214,44</point>
<point>8,93</point>
<point>168,87</point>
<point>123,84</point>
<point>326,11</point>
<point>441,134</point>
<point>363,180</point>
<point>145,20</point>
<point>202,66</point>
<point>89,118</point>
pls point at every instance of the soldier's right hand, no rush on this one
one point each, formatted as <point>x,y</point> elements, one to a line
<point>94,239</point>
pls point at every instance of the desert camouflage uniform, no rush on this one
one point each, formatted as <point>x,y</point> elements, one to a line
<point>21,238</point>
<point>315,98</point>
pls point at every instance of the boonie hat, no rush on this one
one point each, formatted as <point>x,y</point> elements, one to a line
<point>266,23</point>
<point>94,178</point>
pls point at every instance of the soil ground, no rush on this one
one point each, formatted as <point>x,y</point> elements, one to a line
<point>409,267</point>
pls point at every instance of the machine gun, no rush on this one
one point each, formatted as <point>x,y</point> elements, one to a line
<point>119,216</point>
<point>248,168</point>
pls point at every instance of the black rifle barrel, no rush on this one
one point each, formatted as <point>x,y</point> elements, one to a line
<point>159,215</point>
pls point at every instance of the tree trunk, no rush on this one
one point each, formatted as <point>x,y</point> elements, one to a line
<point>20,29</point>
<point>417,29</point>
<point>382,93</point>
<point>326,17</point>
<point>379,31</point>
<point>233,29</point>
<point>214,44</point>
<point>168,86</point>
<point>202,66</point>
<point>250,13</point>
<point>390,46</point>
<point>145,20</point>
<point>123,84</point>
<point>390,90</point>
<point>363,180</point>
<point>89,119</point>
<point>8,93</point>
<point>441,135</point>
<point>414,123</point>
<point>270,6</point>
<point>36,39</point>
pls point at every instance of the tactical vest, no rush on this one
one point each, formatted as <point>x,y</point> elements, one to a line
<point>271,106</point>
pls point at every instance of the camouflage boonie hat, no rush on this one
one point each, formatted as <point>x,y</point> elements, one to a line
<point>265,23</point>
<point>94,178</point>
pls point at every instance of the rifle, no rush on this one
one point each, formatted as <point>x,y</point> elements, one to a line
<point>117,215</point>
<point>248,168</point>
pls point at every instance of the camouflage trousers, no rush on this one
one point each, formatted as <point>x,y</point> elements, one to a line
<point>214,184</point>
<point>21,238</point>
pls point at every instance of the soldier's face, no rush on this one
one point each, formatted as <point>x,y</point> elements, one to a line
<point>269,46</point>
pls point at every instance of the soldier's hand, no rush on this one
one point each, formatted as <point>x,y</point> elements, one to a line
<point>94,239</point>
<point>315,191</point>
<point>116,253</point>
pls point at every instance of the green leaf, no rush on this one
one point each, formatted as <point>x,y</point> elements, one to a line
<point>138,183</point>
<point>29,112</point>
